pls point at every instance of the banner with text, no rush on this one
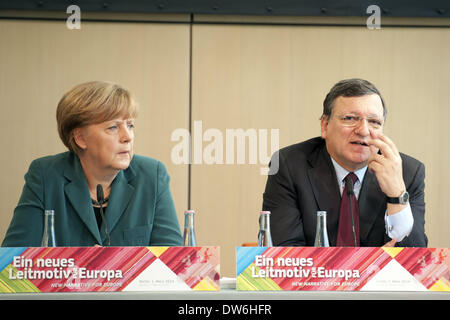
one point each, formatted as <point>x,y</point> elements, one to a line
<point>68,269</point>
<point>339,268</point>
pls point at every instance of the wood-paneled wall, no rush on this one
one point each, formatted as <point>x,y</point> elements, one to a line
<point>250,77</point>
<point>42,60</point>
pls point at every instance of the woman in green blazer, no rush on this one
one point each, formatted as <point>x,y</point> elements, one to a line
<point>96,123</point>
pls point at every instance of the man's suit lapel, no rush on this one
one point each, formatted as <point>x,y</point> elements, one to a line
<point>77,192</point>
<point>371,200</point>
<point>322,177</point>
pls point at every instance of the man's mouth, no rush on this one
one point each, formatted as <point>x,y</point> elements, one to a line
<point>362,143</point>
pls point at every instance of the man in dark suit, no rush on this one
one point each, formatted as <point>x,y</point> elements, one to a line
<point>388,185</point>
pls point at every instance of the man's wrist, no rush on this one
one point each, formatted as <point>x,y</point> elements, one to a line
<point>403,198</point>
<point>393,208</point>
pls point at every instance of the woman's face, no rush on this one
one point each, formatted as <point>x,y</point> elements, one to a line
<point>107,145</point>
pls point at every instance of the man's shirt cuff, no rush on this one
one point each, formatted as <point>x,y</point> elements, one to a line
<point>400,224</point>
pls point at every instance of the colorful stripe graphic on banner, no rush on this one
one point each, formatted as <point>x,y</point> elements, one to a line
<point>310,268</point>
<point>428,265</point>
<point>65,269</point>
<point>190,265</point>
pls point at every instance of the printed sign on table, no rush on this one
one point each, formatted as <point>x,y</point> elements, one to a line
<point>339,268</point>
<point>68,269</point>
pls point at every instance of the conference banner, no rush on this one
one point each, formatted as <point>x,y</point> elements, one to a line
<point>342,268</point>
<point>75,269</point>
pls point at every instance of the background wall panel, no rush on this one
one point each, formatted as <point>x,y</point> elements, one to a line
<point>250,77</point>
<point>267,77</point>
<point>40,61</point>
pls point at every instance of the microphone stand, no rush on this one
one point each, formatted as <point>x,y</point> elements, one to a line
<point>101,200</point>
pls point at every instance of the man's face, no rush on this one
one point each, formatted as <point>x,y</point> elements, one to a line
<point>353,121</point>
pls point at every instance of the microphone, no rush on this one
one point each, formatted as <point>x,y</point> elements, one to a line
<point>349,187</point>
<point>101,200</point>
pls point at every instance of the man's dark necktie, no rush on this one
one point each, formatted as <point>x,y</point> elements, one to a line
<point>345,232</point>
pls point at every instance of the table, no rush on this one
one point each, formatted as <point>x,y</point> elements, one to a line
<point>231,294</point>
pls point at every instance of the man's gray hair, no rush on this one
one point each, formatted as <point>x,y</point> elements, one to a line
<point>350,88</point>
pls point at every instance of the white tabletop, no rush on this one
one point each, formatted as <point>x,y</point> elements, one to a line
<point>228,292</point>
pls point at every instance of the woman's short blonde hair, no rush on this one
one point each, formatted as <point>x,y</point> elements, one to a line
<point>90,103</point>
